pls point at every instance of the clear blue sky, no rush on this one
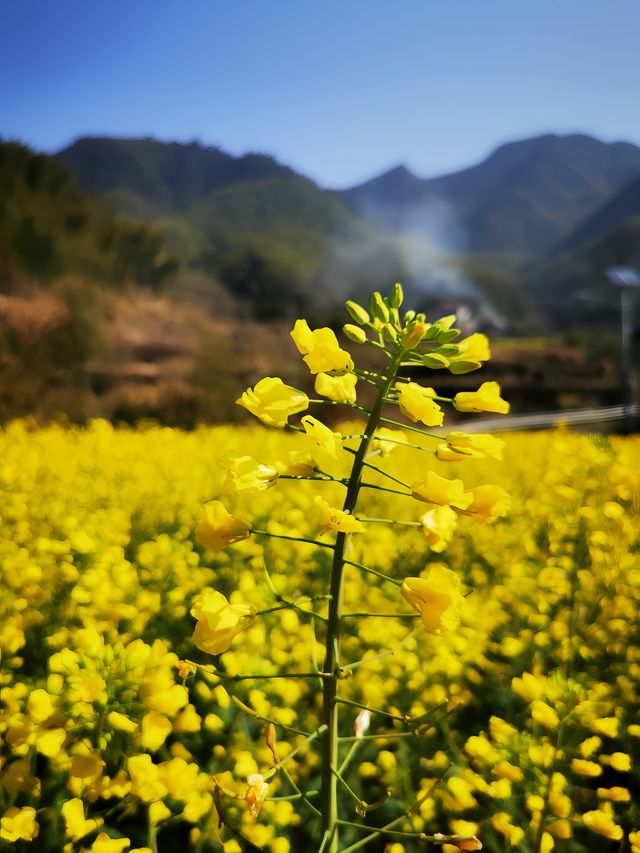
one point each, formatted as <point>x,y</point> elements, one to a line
<point>338,89</point>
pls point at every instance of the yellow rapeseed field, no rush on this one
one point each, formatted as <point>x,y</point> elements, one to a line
<point>520,724</point>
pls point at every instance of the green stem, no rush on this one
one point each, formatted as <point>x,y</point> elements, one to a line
<point>347,787</point>
<point>387,475</point>
<point>224,676</point>
<point>351,666</point>
<point>330,760</point>
<point>338,403</point>
<point>319,731</point>
<point>355,746</point>
<point>293,538</point>
<point>381,615</point>
<point>389,521</point>
<point>371,571</point>
<point>381,736</point>
<point>324,478</point>
<point>385,489</point>
<point>353,704</point>
<point>400,425</point>
<point>303,796</point>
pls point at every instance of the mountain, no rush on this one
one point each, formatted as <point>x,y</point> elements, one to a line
<point>624,204</point>
<point>154,178</point>
<point>50,227</point>
<point>572,289</point>
<point>521,201</point>
<point>269,235</point>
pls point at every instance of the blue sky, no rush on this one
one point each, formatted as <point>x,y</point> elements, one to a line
<point>338,89</point>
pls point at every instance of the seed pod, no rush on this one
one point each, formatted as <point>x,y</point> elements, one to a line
<point>270,740</point>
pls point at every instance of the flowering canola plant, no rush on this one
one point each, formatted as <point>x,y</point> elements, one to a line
<point>405,341</point>
<point>486,674</point>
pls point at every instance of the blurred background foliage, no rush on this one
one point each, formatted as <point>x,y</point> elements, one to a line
<point>140,278</point>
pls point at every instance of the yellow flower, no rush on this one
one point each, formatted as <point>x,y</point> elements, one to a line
<point>620,761</point>
<point>417,404</point>
<point>19,824</point>
<point>76,824</point>
<point>105,844</point>
<point>602,823</point>
<point>273,402</point>
<point>385,440</point>
<point>145,779</point>
<point>255,793</point>
<point>436,597</point>
<point>336,519</point>
<point>320,348</point>
<point>340,389</point>
<point>246,476</point>
<point>156,728</point>
<point>585,768</point>
<point>121,722</point>
<point>217,528</point>
<point>560,829</point>
<point>605,726</point>
<point>471,352</point>
<point>501,822</point>
<point>544,714</point>
<point>589,746</point>
<point>528,687</point>
<point>617,794</point>
<point>438,526</point>
<point>486,399</point>
<point>461,445</point>
<point>487,503</point>
<point>321,437</point>
<point>438,490</point>
<point>218,621</point>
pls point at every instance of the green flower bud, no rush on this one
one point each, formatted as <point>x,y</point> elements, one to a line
<point>397,296</point>
<point>409,316</point>
<point>354,333</point>
<point>378,307</point>
<point>458,367</point>
<point>389,333</point>
<point>447,349</point>
<point>357,312</point>
<point>435,361</point>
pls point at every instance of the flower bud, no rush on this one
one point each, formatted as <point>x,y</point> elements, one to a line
<point>413,335</point>
<point>378,307</point>
<point>397,295</point>
<point>357,312</point>
<point>354,333</point>
<point>389,333</point>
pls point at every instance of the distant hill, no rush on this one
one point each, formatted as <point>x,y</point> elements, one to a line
<point>506,230</point>
<point>50,227</point>
<point>159,179</point>
<point>573,290</point>
<point>625,204</point>
<point>522,200</point>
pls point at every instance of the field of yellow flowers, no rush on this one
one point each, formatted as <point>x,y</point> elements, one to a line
<point>525,716</point>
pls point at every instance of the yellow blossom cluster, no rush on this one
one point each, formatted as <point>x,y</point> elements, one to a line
<point>110,741</point>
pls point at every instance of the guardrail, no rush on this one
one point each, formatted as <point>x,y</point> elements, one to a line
<point>541,420</point>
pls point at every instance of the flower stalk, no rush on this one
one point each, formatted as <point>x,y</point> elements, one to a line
<point>330,760</point>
